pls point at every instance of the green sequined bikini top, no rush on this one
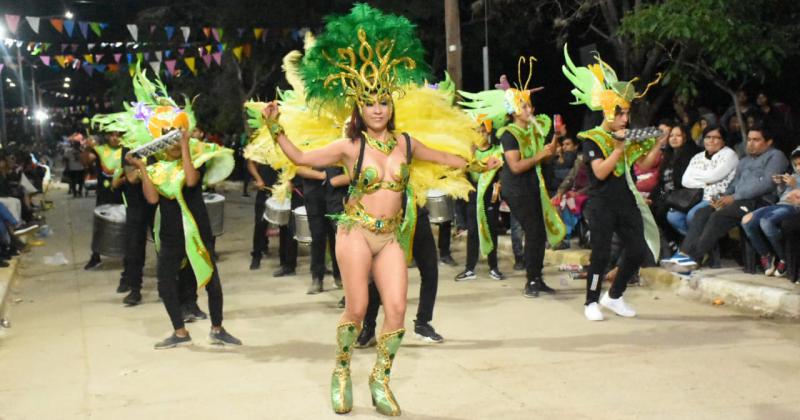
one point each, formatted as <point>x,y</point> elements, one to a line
<point>370,181</point>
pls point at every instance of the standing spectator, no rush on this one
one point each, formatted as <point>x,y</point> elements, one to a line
<point>744,105</point>
<point>75,171</point>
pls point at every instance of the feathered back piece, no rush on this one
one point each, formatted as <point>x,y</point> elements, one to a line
<point>598,87</point>
<point>153,113</point>
<point>362,54</point>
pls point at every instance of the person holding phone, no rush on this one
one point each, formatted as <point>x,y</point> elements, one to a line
<point>763,226</point>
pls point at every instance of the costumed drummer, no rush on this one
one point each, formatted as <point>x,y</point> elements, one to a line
<point>368,66</point>
<point>107,159</point>
<point>483,208</point>
<point>317,194</point>
<point>614,205</point>
<point>264,178</point>
<point>522,136</point>
<point>175,182</point>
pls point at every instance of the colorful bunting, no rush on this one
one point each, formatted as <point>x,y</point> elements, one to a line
<point>170,30</point>
<point>191,64</point>
<point>207,60</point>
<point>12,21</point>
<point>96,28</point>
<point>69,25</point>
<point>217,57</point>
<point>45,59</point>
<point>33,22</point>
<point>156,66</point>
<point>258,32</point>
<point>134,30</point>
<point>61,60</point>
<point>117,57</point>
<point>58,24</point>
<point>84,29</point>
<point>237,52</point>
<point>185,30</point>
<point>170,66</point>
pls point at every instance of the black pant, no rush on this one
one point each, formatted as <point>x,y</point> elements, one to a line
<point>710,225</point>
<point>424,253</point>
<point>323,230</point>
<point>461,214</point>
<point>605,218</point>
<point>260,238</point>
<point>445,230</point>
<point>287,254</point>
<point>175,290</point>
<point>527,210</point>
<point>323,237</point>
<point>76,182</point>
<point>473,244</point>
<point>139,219</point>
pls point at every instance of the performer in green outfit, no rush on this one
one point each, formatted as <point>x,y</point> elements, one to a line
<point>614,206</point>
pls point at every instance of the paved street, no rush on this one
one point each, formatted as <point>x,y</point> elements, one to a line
<point>74,351</point>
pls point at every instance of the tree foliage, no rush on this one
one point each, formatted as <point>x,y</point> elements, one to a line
<point>727,42</point>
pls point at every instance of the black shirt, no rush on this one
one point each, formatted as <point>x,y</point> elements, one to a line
<point>525,183</point>
<point>171,233</point>
<point>270,177</point>
<point>613,188</point>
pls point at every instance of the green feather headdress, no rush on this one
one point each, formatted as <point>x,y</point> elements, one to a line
<point>143,120</point>
<point>598,87</point>
<point>362,54</point>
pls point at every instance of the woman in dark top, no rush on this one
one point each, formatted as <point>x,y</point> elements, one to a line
<point>676,157</point>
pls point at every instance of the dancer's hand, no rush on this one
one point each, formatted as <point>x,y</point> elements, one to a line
<point>492,163</point>
<point>272,111</point>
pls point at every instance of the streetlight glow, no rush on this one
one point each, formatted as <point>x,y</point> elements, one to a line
<point>68,15</point>
<point>40,115</point>
<point>66,85</point>
<point>67,79</point>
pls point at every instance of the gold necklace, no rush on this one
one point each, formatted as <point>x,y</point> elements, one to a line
<point>385,147</point>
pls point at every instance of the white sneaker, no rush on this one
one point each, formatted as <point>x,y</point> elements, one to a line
<point>592,312</point>
<point>617,305</point>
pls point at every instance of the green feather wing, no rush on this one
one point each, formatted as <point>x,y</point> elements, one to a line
<point>488,102</point>
<point>584,81</point>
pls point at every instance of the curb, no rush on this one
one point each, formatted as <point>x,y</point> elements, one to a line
<point>6,276</point>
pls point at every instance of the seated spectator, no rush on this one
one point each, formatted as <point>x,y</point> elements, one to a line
<point>679,151</point>
<point>763,226</point>
<point>571,195</point>
<point>750,189</point>
<point>10,228</point>
<point>712,170</point>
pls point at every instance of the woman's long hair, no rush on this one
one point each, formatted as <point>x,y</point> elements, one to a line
<point>356,124</point>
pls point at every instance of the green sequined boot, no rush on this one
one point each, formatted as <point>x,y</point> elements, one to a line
<point>382,397</point>
<point>341,385</point>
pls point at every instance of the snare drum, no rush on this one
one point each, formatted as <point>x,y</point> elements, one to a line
<point>440,206</point>
<point>302,230</point>
<point>108,236</point>
<point>277,212</point>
